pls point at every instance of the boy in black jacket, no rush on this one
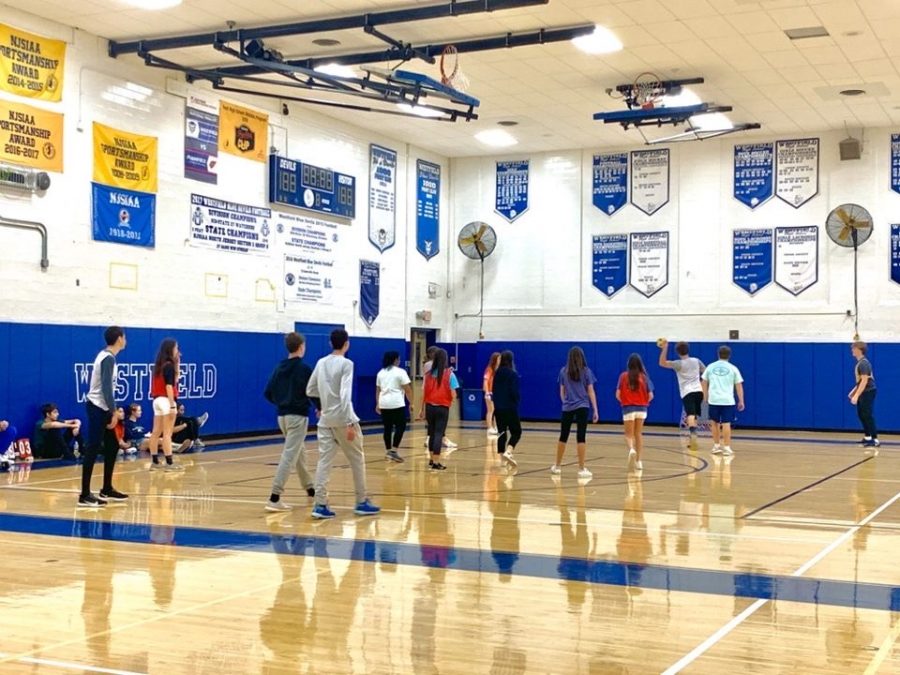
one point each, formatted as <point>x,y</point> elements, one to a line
<point>287,391</point>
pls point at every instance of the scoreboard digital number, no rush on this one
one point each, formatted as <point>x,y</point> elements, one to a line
<point>305,186</point>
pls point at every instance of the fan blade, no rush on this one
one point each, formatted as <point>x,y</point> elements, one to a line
<point>844,216</point>
<point>480,246</point>
<point>862,224</point>
<point>844,234</point>
<point>481,231</point>
<point>468,241</point>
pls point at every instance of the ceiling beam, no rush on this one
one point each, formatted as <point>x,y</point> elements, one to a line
<point>447,9</point>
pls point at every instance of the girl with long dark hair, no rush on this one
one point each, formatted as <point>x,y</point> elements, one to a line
<point>576,391</point>
<point>506,408</point>
<point>164,392</point>
<point>439,392</point>
<point>392,384</point>
<point>634,393</point>
<point>488,388</point>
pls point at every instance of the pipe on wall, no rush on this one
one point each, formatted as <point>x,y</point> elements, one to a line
<point>31,225</point>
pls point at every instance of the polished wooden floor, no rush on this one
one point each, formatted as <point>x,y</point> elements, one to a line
<point>475,570</point>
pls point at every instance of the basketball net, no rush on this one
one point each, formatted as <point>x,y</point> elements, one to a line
<point>451,73</point>
<point>645,90</point>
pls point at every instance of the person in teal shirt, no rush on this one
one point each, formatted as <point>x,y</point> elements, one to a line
<point>720,381</point>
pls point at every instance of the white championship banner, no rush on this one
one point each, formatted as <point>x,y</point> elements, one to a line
<point>228,226</point>
<point>797,170</point>
<point>648,262</point>
<point>796,258</point>
<point>650,179</point>
<point>310,262</point>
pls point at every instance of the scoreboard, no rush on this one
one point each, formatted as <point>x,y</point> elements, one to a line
<point>305,186</point>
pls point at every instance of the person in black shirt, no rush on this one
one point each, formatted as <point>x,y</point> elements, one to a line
<point>505,395</point>
<point>863,395</point>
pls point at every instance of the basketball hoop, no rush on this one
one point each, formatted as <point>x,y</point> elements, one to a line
<point>646,91</point>
<point>451,72</point>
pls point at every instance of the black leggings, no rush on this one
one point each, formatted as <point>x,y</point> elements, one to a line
<point>865,408</point>
<point>509,427</point>
<point>100,441</point>
<point>436,416</point>
<point>394,421</point>
<point>580,417</point>
<point>191,432</point>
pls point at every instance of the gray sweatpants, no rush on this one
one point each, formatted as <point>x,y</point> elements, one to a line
<point>294,453</point>
<point>329,440</point>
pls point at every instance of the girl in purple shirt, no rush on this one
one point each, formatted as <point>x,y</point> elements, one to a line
<point>576,391</point>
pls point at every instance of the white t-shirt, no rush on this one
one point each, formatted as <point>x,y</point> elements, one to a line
<point>391,382</point>
<point>688,372</point>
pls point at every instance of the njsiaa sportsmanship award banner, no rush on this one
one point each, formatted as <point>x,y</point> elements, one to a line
<point>124,160</point>
<point>31,136</point>
<point>31,65</point>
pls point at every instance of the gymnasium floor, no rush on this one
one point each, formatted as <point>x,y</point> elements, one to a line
<point>783,559</point>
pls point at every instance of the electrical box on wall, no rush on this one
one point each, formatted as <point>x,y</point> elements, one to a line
<point>424,315</point>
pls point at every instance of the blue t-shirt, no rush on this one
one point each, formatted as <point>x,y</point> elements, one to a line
<point>575,394</point>
<point>134,431</point>
<point>454,383</point>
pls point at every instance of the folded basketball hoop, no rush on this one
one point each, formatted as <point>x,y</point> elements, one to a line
<point>647,90</point>
<point>451,72</point>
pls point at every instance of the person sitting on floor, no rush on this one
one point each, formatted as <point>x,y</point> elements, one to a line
<point>135,432</point>
<point>8,435</point>
<point>187,430</point>
<point>124,446</point>
<point>53,437</point>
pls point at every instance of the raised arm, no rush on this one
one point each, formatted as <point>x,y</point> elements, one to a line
<point>663,353</point>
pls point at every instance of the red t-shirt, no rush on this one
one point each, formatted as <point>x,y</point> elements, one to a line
<point>159,381</point>
<point>629,396</point>
<point>438,393</point>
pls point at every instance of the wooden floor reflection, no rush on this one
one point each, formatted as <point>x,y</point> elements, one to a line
<point>474,570</point>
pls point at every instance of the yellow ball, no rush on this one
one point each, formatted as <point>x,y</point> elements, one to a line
<point>660,342</point>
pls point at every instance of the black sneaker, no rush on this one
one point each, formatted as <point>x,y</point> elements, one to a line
<point>310,492</point>
<point>113,495</point>
<point>436,466</point>
<point>90,501</point>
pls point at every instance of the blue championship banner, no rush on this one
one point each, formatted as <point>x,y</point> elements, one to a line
<point>428,208</point>
<point>512,189</point>
<point>123,216</point>
<point>201,139</point>
<point>610,262</point>
<point>895,254</point>
<point>648,268</point>
<point>895,162</point>
<point>382,197</point>
<point>752,259</point>
<point>650,179</point>
<point>796,257</point>
<point>229,226</point>
<point>754,171</point>
<point>610,182</point>
<point>369,287</point>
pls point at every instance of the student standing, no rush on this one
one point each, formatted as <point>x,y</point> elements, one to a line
<point>332,383</point>
<point>427,368</point>
<point>634,393</point>
<point>506,408</point>
<point>576,391</point>
<point>164,392</point>
<point>286,389</point>
<point>439,391</point>
<point>720,381</point>
<point>392,390</point>
<point>101,421</point>
<point>863,394</point>
<point>688,371</point>
<point>488,388</point>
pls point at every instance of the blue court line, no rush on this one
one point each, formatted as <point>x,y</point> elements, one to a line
<point>534,565</point>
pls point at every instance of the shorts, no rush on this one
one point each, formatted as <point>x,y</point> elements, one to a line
<point>488,396</point>
<point>723,414</point>
<point>693,403</point>
<point>161,406</point>
<point>634,412</point>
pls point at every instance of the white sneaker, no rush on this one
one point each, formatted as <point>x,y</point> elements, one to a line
<point>555,470</point>
<point>173,467</point>
<point>426,442</point>
<point>202,419</point>
<point>638,466</point>
<point>727,451</point>
<point>278,507</point>
<point>632,457</point>
<point>584,473</point>
<point>509,459</point>
<point>716,449</point>
<point>449,444</point>
<point>493,432</point>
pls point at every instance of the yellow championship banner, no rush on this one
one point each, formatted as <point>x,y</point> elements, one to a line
<point>31,137</point>
<point>124,160</point>
<point>31,65</point>
<point>243,132</point>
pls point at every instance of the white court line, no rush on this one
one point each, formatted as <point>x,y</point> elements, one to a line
<point>886,647</point>
<point>69,665</point>
<point>711,641</point>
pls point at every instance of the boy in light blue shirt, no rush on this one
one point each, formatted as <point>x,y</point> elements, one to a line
<point>720,381</point>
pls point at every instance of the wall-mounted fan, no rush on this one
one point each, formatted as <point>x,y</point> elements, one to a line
<point>850,226</point>
<point>477,241</point>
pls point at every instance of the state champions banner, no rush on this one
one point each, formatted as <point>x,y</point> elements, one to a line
<point>125,160</point>
<point>31,66</point>
<point>31,136</point>
<point>228,226</point>
<point>243,132</point>
<point>123,216</point>
<point>382,197</point>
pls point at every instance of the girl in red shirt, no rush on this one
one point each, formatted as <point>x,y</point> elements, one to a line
<point>634,393</point>
<point>488,387</point>
<point>440,390</point>
<point>164,392</point>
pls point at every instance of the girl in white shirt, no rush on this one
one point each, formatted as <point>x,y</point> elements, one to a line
<point>391,386</point>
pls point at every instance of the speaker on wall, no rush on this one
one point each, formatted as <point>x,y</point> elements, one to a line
<point>850,148</point>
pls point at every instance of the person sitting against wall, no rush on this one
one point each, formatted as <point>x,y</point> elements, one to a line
<point>53,437</point>
<point>8,435</point>
<point>136,433</point>
<point>187,430</point>
<point>124,445</point>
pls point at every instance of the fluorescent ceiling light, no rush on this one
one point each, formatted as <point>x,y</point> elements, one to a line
<point>685,98</point>
<point>601,41</point>
<point>420,110</point>
<point>712,122</point>
<point>496,138</point>
<point>153,4</point>
<point>336,69</point>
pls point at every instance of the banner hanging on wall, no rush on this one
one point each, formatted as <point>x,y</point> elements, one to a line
<point>895,162</point>
<point>382,197</point>
<point>751,268</point>
<point>123,216</point>
<point>648,268</point>
<point>228,226</point>
<point>124,160</point>
<point>610,263</point>
<point>428,208</point>
<point>512,189</point>
<point>610,182</point>
<point>369,290</point>
<point>650,179</point>
<point>797,170</point>
<point>754,168</point>
<point>310,250</point>
<point>201,139</point>
<point>796,258</point>
<point>243,132</point>
<point>31,136</point>
<point>895,254</point>
<point>31,66</point>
